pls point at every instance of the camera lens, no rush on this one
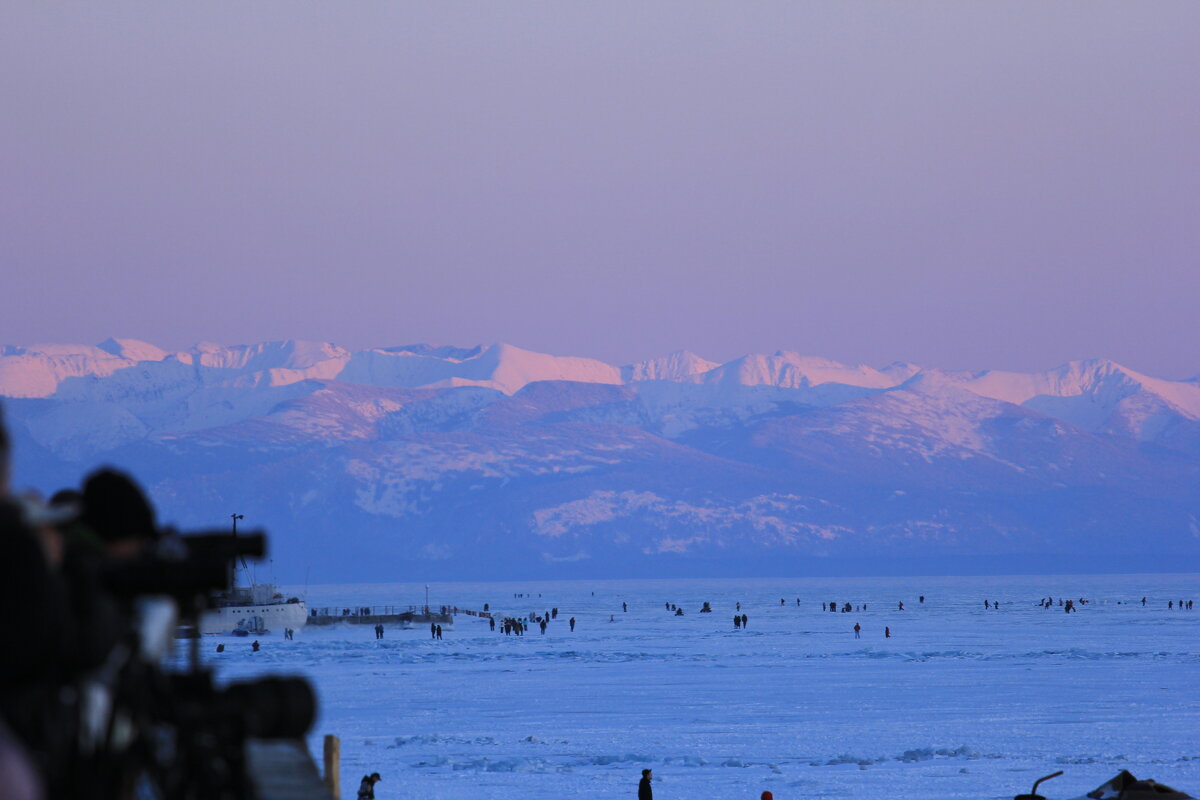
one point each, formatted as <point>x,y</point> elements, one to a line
<point>275,708</point>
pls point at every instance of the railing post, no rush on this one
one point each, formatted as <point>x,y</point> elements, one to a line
<point>333,758</point>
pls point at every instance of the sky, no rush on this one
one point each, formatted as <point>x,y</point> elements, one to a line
<point>991,184</point>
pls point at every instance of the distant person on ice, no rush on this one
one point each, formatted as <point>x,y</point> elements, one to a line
<point>572,623</point>
<point>366,789</point>
<point>644,790</point>
<point>857,631</point>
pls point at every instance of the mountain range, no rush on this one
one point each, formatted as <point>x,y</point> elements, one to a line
<point>439,462</point>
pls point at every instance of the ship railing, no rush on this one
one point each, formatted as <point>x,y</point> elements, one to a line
<point>360,611</point>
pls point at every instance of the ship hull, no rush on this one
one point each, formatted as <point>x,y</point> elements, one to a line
<point>255,618</point>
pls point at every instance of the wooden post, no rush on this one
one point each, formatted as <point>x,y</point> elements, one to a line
<point>333,758</point>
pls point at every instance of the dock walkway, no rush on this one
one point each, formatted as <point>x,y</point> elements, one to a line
<point>405,616</point>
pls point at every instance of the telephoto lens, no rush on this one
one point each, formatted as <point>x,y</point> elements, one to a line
<point>275,707</point>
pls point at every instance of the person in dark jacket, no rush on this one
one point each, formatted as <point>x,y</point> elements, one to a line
<point>644,791</point>
<point>366,789</point>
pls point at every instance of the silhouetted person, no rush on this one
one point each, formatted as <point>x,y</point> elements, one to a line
<point>737,621</point>
<point>254,646</point>
<point>745,621</point>
<point>366,789</point>
<point>439,632</point>
<point>542,625</point>
<point>624,606</point>
<point>887,632</point>
<point>492,623</point>
<point>644,791</point>
<point>432,630</point>
<point>901,605</point>
<point>857,631</point>
<point>572,623</point>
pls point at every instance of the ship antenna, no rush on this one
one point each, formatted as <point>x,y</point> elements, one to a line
<point>235,518</point>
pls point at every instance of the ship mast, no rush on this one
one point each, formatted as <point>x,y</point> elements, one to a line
<point>235,518</point>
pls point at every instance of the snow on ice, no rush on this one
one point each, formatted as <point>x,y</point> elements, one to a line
<point>960,702</point>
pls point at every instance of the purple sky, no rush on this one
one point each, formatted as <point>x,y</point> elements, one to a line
<point>997,184</point>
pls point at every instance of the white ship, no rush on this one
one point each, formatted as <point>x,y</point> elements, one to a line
<point>256,609</point>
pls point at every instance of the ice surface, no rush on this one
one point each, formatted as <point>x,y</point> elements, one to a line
<point>961,702</point>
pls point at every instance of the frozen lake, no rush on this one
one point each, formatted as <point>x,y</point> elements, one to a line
<point>961,702</point>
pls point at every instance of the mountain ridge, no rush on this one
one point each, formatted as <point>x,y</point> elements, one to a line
<point>482,457</point>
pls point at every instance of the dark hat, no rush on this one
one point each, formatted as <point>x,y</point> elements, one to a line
<point>375,776</point>
<point>115,508</point>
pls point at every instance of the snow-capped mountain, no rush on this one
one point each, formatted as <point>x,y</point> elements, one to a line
<point>491,461</point>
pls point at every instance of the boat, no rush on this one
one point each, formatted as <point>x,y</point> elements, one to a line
<point>258,608</point>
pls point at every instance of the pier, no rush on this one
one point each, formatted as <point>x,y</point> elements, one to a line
<point>405,616</point>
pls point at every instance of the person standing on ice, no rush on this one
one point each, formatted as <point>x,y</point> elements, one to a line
<point>572,624</point>
<point>745,621</point>
<point>737,621</point>
<point>366,789</point>
<point>857,631</point>
<point>644,790</point>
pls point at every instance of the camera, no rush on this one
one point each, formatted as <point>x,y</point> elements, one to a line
<point>109,715</point>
